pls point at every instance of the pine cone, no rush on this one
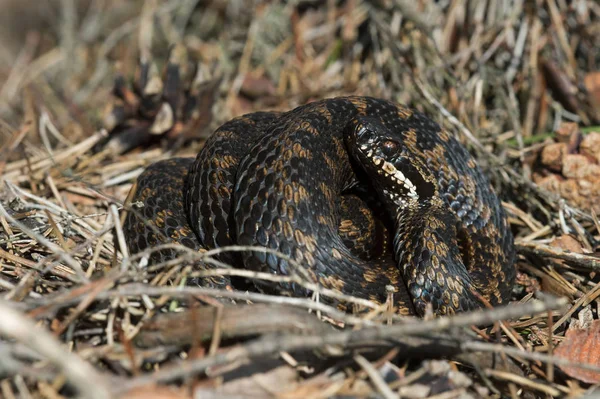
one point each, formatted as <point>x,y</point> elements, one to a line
<point>175,106</point>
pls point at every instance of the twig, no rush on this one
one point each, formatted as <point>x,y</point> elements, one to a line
<point>216,334</point>
<point>68,259</point>
<point>139,289</point>
<point>522,381</point>
<point>375,377</point>
<point>584,300</point>
<point>13,169</point>
<point>473,346</point>
<point>46,306</point>
<point>582,260</point>
<point>83,376</point>
<point>119,230</point>
<point>204,322</point>
<point>271,345</point>
<point>296,278</point>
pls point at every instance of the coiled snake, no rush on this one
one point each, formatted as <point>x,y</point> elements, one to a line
<point>302,183</point>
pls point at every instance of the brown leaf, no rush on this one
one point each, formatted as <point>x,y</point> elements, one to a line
<point>582,346</point>
<point>592,85</point>
<point>575,166</point>
<point>566,131</point>
<point>568,243</point>
<point>530,283</point>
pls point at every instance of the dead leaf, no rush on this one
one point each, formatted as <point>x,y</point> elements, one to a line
<point>568,243</point>
<point>592,85</point>
<point>164,120</point>
<point>582,346</point>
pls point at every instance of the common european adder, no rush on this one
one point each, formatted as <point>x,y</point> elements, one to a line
<point>303,183</point>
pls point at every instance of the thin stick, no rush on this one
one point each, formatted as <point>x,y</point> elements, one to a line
<point>119,230</point>
<point>81,374</point>
<point>271,345</point>
<point>216,337</point>
<point>375,377</point>
<point>207,257</point>
<point>581,260</point>
<point>522,381</point>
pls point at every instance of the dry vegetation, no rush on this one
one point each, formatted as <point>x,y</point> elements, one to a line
<point>93,91</point>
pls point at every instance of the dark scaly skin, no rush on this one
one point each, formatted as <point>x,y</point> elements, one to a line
<point>363,232</point>
<point>211,179</point>
<point>172,197</point>
<point>162,219</point>
<point>283,204</point>
<point>160,189</point>
<point>283,191</point>
<point>451,232</point>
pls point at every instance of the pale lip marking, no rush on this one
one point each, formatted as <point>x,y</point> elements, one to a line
<point>390,171</point>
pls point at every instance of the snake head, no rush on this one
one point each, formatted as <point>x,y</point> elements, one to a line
<point>399,177</point>
<point>427,243</point>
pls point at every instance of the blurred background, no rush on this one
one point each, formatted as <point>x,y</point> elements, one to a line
<point>511,72</point>
<point>498,65</point>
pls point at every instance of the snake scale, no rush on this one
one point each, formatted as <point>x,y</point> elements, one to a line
<point>315,183</point>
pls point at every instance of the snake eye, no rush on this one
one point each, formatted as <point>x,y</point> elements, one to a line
<point>363,131</point>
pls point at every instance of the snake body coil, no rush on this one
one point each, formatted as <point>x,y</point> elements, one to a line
<point>278,180</point>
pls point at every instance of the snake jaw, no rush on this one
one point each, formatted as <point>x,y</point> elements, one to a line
<point>382,154</point>
<point>397,177</point>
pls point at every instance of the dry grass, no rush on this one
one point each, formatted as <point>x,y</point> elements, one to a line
<point>80,314</point>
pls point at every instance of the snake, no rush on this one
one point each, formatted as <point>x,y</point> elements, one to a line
<point>367,196</point>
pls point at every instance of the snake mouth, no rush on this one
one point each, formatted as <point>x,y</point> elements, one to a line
<point>381,153</point>
<point>397,180</point>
